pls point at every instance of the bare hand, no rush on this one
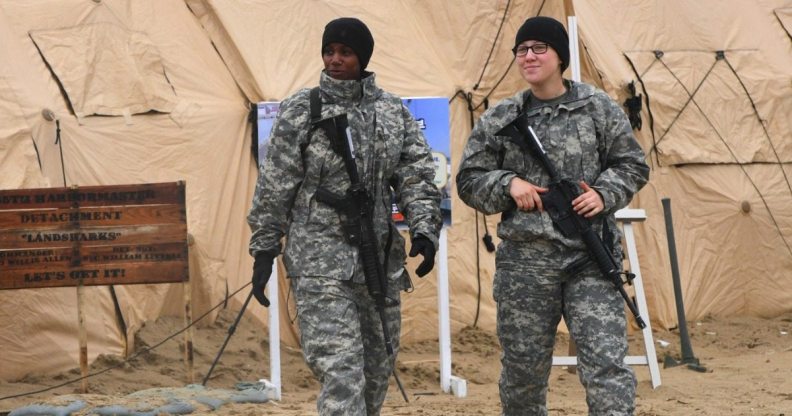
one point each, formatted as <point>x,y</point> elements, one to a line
<point>589,203</point>
<point>526,194</point>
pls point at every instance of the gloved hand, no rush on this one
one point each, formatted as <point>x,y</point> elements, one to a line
<point>262,268</point>
<point>422,245</point>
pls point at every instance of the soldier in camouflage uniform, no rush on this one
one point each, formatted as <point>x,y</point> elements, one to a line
<point>340,329</point>
<point>588,139</point>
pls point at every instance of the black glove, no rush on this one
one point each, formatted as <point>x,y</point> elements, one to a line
<point>426,248</point>
<point>262,268</point>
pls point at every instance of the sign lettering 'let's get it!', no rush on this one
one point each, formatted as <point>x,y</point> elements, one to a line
<point>93,235</point>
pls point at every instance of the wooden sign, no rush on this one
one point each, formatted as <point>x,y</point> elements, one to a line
<point>93,235</point>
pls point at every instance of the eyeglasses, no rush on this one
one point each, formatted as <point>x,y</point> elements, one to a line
<point>536,48</point>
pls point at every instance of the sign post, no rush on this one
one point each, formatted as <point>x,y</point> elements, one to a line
<point>94,235</point>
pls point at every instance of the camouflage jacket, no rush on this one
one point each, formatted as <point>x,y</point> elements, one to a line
<point>391,153</point>
<point>587,137</point>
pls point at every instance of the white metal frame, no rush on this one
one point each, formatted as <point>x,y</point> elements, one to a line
<point>574,51</point>
<point>627,216</point>
<point>457,385</point>
<point>448,383</point>
<point>274,335</point>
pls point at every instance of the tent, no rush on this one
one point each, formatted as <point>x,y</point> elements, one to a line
<point>156,91</point>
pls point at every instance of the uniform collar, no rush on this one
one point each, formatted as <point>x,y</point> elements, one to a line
<point>577,95</point>
<point>350,91</point>
<point>507,110</point>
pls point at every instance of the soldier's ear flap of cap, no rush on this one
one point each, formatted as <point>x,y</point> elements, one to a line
<point>353,33</point>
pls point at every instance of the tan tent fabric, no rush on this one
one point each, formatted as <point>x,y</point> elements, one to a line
<point>731,262</point>
<point>210,152</point>
<point>106,70</point>
<point>702,97</point>
<point>784,16</point>
<point>712,154</point>
<point>17,150</point>
<point>19,161</point>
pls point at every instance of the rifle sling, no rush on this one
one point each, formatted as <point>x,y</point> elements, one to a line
<point>337,144</point>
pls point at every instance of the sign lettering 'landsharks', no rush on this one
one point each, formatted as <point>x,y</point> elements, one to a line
<point>93,235</point>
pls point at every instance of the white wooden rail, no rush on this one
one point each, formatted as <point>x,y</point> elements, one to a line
<point>626,217</point>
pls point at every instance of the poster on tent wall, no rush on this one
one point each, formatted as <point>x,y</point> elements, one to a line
<point>266,116</point>
<point>431,113</point>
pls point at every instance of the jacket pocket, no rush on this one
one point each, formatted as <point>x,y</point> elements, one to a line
<point>587,160</point>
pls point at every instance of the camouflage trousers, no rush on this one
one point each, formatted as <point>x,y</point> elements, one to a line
<point>529,308</point>
<point>342,342</point>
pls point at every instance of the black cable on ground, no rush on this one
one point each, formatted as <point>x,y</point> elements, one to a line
<point>130,358</point>
<point>478,273</point>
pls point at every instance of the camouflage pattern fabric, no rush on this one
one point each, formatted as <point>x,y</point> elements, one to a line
<point>341,333</point>
<point>390,152</point>
<point>341,338</point>
<point>587,137</point>
<point>530,305</point>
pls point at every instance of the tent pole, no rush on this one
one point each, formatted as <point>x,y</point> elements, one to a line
<point>574,68</point>
<point>687,350</point>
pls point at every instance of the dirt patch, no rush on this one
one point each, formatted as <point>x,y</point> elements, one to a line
<point>748,365</point>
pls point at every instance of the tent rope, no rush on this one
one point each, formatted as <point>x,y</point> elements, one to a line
<point>761,121</point>
<point>468,97</point>
<point>122,326</point>
<point>721,56</point>
<point>133,356</point>
<point>492,48</point>
<point>689,100</point>
<point>775,12</point>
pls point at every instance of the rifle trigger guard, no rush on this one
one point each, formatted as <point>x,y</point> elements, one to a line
<point>628,277</point>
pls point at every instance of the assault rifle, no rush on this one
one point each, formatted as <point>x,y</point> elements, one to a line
<point>558,204</point>
<point>358,210</point>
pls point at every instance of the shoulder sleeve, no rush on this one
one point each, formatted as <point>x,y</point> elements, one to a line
<point>625,170</point>
<point>413,181</point>
<point>280,175</point>
<point>480,180</point>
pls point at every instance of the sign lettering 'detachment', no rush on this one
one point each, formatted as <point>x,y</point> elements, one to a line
<point>97,235</point>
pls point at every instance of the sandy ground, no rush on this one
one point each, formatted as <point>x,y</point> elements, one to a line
<point>748,365</point>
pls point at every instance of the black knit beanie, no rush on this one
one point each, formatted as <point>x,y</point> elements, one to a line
<point>353,33</point>
<point>545,29</point>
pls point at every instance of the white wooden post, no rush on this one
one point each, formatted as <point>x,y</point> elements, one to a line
<point>627,216</point>
<point>574,54</point>
<point>448,383</point>
<point>274,382</point>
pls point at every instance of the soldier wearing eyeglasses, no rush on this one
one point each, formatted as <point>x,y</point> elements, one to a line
<point>588,139</point>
